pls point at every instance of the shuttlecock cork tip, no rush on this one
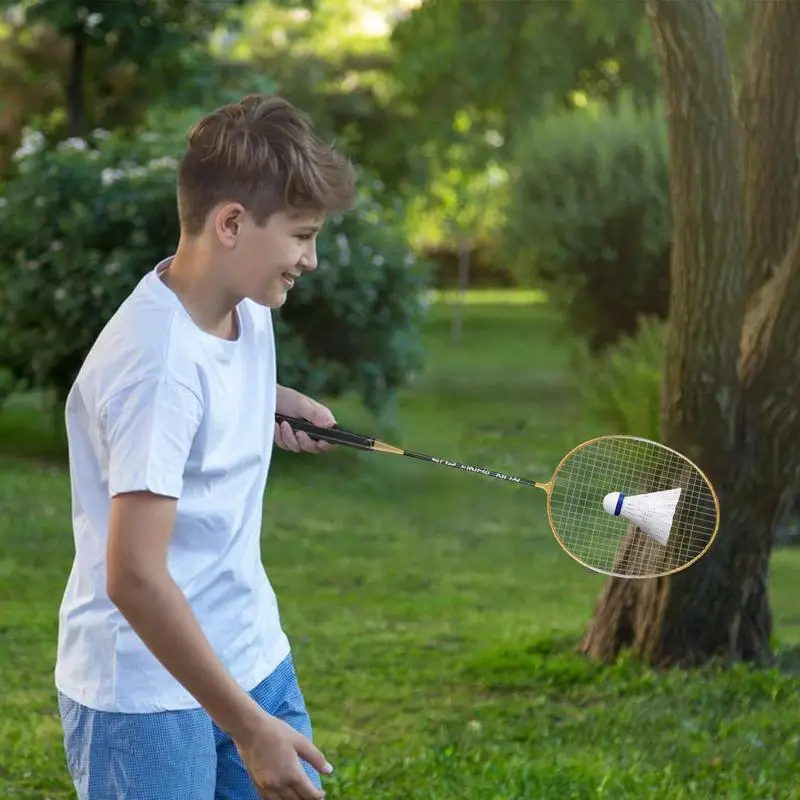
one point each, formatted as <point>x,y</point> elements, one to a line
<point>612,503</point>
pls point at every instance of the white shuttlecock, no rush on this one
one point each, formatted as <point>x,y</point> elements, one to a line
<point>652,512</point>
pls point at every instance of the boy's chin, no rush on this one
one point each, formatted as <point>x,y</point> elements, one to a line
<point>273,299</point>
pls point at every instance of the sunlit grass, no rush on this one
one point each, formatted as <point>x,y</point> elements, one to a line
<point>492,297</point>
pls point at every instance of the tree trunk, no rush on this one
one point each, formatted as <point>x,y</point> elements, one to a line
<point>771,201</point>
<point>716,609</point>
<point>732,380</point>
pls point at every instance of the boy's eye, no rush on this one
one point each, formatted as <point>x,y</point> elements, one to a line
<point>304,236</point>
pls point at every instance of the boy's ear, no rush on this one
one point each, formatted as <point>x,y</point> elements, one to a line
<point>228,223</point>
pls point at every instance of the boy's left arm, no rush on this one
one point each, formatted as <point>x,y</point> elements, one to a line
<point>292,403</point>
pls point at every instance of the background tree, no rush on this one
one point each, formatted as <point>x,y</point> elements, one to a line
<point>732,381</point>
<point>69,66</point>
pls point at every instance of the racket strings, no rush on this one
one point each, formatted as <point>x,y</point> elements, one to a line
<point>621,545</point>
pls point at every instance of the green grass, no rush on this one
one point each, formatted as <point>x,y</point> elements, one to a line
<point>433,617</point>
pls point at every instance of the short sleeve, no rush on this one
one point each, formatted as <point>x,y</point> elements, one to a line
<point>149,430</point>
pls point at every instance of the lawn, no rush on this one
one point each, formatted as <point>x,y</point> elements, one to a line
<point>433,616</point>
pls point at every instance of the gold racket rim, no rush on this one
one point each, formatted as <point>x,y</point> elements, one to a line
<point>548,488</point>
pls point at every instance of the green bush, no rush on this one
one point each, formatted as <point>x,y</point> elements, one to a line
<point>80,225</point>
<point>621,388</point>
<point>7,384</point>
<point>354,323</point>
<point>590,216</point>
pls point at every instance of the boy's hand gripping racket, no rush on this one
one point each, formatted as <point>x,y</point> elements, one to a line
<point>620,505</point>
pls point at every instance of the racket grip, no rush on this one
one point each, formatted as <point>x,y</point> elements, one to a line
<point>334,435</point>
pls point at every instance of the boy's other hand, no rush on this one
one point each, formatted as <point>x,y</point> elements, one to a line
<point>271,752</point>
<point>292,403</point>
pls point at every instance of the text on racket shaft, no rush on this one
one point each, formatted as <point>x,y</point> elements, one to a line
<point>480,470</point>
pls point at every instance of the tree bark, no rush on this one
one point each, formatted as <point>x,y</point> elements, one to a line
<point>732,381</point>
<point>772,203</point>
<point>701,388</point>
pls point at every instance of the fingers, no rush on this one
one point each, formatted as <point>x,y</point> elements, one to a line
<point>275,759</point>
<point>312,755</point>
<point>303,789</point>
<point>288,793</point>
<point>299,790</point>
<point>299,787</point>
<point>298,442</point>
<point>309,445</point>
<point>285,438</point>
<point>320,415</point>
<point>316,413</point>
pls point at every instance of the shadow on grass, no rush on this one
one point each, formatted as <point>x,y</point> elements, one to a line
<point>554,663</point>
<point>29,432</point>
<point>787,659</point>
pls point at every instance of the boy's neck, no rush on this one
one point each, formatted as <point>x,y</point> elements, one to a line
<point>192,276</point>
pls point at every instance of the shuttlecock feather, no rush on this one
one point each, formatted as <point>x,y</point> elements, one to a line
<point>653,512</point>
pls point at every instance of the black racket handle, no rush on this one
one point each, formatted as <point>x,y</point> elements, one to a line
<point>334,435</point>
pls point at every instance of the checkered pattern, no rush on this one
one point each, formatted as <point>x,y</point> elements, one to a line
<point>172,755</point>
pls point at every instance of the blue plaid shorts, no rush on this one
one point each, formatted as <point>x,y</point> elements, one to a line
<point>171,755</point>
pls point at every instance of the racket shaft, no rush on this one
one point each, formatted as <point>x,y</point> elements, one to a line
<point>490,473</point>
<point>337,435</point>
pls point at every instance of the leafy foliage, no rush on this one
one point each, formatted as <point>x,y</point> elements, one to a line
<point>81,225</point>
<point>68,66</point>
<point>155,27</point>
<point>449,58</point>
<point>353,325</point>
<point>621,387</point>
<point>334,61</point>
<point>590,216</point>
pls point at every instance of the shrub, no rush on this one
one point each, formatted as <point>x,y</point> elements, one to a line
<point>590,216</point>
<point>81,224</point>
<point>6,384</point>
<point>354,323</point>
<point>621,388</point>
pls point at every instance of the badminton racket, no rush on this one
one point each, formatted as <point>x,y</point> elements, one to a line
<point>620,505</point>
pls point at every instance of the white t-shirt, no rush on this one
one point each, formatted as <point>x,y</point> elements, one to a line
<point>160,405</point>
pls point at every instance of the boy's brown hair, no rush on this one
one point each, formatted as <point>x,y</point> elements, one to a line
<point>260,152</point>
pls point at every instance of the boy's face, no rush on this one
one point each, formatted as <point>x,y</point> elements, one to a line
<point>264,262</point>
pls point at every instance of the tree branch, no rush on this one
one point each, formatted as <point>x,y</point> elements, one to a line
<point>759,326</point>
<point>701,390</point>
<point>770,369</point>
<point>770,152</point>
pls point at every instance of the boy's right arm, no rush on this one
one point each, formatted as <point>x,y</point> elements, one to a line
<point>139,584</point>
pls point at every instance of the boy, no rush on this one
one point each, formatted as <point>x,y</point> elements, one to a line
<point>174,676</point>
